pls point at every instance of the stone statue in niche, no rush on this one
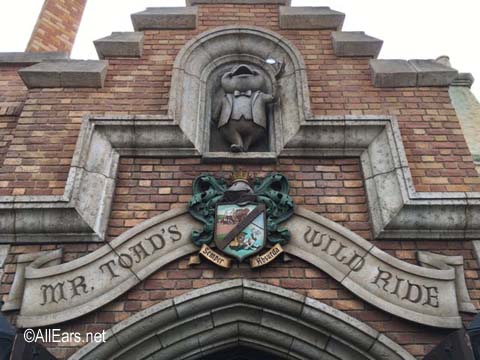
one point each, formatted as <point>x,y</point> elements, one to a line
<point>243,112</point>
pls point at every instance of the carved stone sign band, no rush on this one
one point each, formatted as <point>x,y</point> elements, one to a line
<point>47,294</point>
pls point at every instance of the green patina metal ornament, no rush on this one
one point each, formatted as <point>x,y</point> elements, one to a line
<point>272,192</point>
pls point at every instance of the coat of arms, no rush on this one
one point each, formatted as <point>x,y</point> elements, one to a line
<point>240,221</point>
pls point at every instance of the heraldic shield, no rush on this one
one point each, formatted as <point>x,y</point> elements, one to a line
<point>240,229</point>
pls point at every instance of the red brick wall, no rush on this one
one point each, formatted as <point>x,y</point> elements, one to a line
<point>12,97</point>
<point>39,156</point>
<point>330,187</point>
<point>57,26</point>
<point>435,147</point>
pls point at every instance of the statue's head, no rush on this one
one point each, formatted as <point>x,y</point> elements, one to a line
<point>242,78</point>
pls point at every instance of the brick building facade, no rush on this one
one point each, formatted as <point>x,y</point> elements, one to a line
<point>91,150</point>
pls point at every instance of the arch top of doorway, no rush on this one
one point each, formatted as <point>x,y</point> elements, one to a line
<point>242,313</point>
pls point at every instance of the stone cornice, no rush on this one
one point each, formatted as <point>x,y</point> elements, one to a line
<point>164,18</point>
<point>65,73</point>
<point>27,58</point>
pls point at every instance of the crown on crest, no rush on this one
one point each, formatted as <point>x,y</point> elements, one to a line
<point>240,175</point>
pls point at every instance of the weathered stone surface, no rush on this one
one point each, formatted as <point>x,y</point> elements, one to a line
<point>165,18</point>
<point>4,249</point>
<point>310,18</point>
<point>320,332</point>
<point>355,43</point>
<point>416,293</point>
<point>403,73</point>
<point>432,73</point>
<point>71,73</point>
<point>248,2</point>
<point>120,44</point>
<point>393,73</point>
<point>444,262</point>
<point>101,276</point>
<point>30,58</point>
<point>463,79</point>
<point>47,258</point>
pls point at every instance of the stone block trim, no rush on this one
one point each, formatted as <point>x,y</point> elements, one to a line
<point>25,58</point>
<point>199,321</point>
<point>166,18</point>
<point>57,26</point>
<point>412,73</point>
<point>310,18</point>
<point>433,73</point>
<point>355,43</point>
<point>66,74</point>
<point>463,79</point>
<point>120,44</point>
<point>247,2</point>
<point>393,73</point>
<point>177,278</point>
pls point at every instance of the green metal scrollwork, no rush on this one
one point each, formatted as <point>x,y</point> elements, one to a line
<point>207,191</point>
<point>271,191</point>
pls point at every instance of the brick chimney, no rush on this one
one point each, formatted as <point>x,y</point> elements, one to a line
<point>57,26</point>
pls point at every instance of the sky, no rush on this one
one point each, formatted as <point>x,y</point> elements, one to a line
<point>410,29</point>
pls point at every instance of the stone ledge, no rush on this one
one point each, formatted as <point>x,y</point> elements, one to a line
<point>26,58</point>
<point>412,73</point>
<point>249,2</point>
<point>120,44</point>
<point>433,73</point>
<point>66,74</point>
<point>165,18</point>
<point>355,43</point>
<point>463,79</point>
<point>393,73</point>
<point>320,17</point>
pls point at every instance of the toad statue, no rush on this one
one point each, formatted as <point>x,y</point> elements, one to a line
<point>243,113</point>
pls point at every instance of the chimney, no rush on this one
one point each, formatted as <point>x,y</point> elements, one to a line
<point>57,26</point>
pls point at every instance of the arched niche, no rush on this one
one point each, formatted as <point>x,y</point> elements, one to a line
<point>242,314</point>
<point>204,58</point>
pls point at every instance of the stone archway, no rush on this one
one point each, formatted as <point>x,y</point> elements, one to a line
<point>242,313</point>
<point>209,51</point>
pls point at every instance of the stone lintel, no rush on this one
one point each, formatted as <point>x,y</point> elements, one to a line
<point>248,2</point>
<point>320,17</point>
<point>165,18</point>
<point>463,79</point>
<point>120,44</point>
<point>67,74</point>
<point>355,43</point>
<point>412,73</point>
<point>27,58</point>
